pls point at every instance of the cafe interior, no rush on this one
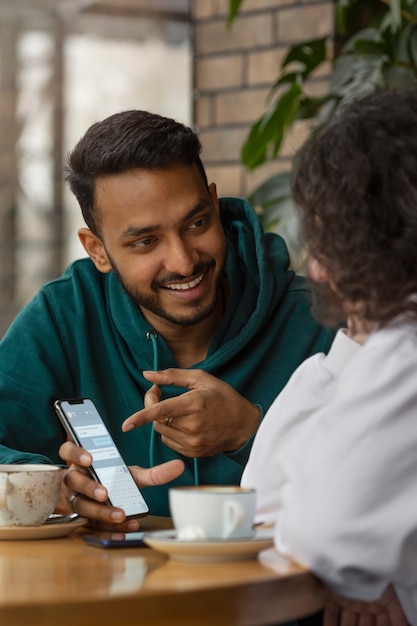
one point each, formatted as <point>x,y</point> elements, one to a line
<point>63,65</point>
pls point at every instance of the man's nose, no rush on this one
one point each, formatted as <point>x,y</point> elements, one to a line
<point>181,258</point>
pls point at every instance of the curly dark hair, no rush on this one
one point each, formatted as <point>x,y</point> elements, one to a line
<point>355,187</point>
<point>127,140</point>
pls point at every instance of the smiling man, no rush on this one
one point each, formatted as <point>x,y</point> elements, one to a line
<point>182,324</point>
<point>160,232</point>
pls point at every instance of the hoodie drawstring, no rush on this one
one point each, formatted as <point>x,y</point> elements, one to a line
<point>152,335</point>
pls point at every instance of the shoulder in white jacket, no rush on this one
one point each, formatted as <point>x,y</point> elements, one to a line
<point>335,466</point>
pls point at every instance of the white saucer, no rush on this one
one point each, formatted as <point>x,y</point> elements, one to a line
<point>209,550</point>
<point>50,530</point>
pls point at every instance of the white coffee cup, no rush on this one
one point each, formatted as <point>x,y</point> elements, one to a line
<point>212,511</point>
<point>28,493</point>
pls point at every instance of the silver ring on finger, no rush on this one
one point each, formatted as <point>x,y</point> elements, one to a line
<point>168,421</point>
<point>71,502</point>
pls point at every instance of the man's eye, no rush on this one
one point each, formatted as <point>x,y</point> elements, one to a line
<point>198,223</point>
<point>143,243</point>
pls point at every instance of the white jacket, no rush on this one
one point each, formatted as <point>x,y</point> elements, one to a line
<point>335,466</point>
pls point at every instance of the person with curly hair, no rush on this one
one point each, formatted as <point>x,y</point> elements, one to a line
<point>335,458</point>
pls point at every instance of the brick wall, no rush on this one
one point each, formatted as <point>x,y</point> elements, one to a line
<point>234,71</point>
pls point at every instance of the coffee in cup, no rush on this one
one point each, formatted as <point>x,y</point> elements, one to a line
<point>212,511</point>
<point>28,493</point>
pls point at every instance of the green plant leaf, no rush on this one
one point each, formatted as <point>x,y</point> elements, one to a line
<point>343,9</point>
<point>308,55</point>
<point>366,34</point>
<point>234,6</point>
<point>409,40</point>
<point>364,76</point>
<point>366,47</point>
<point>268,132</point>
<point>254,150</point>
<point>275,207</point>
<point>310,107</point>
<point>395,14</point>
<point>272,190</point>
<point>306,58</point>
<point>291,77</point>
<point>409,11</point>
<point>396,75</point>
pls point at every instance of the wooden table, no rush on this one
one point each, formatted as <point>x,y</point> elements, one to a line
<point>65,582</point>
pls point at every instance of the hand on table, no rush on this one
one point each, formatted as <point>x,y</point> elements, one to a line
<point>91,496</point>
<point>209,419</point>
<point>386,611</point>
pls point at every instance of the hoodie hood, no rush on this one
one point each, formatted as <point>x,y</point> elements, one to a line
<point>255,261</point>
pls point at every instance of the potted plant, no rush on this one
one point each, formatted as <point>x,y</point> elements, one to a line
<point>379,50</point>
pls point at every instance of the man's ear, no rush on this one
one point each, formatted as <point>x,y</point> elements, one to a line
<point>95,250</point>
<point>214,197</point>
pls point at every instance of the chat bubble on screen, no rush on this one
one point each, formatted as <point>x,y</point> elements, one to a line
<point>91,430</point>
<point>101,442</point>
<point>102,454</point>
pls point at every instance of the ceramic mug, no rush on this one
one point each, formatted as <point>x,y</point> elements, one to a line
<point>28,493</point>
<point>212,511</point>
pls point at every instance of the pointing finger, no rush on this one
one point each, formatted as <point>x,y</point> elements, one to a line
<point>152,396</point>
<point>189,379</point>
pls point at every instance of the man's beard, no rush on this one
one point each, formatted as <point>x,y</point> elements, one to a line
<point>151,301</point>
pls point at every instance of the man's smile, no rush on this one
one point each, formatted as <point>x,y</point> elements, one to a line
<point>184,286</point>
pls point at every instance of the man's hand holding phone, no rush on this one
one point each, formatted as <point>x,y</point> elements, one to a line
<point>91,500</point>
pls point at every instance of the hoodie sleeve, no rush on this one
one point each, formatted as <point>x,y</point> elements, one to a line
<point>32,366</point>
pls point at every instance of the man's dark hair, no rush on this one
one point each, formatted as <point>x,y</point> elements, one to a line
<point>355,186</point>
<point>124,141</point>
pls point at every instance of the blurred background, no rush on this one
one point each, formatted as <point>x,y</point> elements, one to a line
<point>65,64</point>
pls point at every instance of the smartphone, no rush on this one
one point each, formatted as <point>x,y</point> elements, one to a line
<point>84,425</point>
<point>116,540</point>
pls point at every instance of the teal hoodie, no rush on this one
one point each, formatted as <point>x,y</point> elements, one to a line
<point>82,336</point>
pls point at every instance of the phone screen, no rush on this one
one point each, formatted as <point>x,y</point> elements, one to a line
<point>83,423</point>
